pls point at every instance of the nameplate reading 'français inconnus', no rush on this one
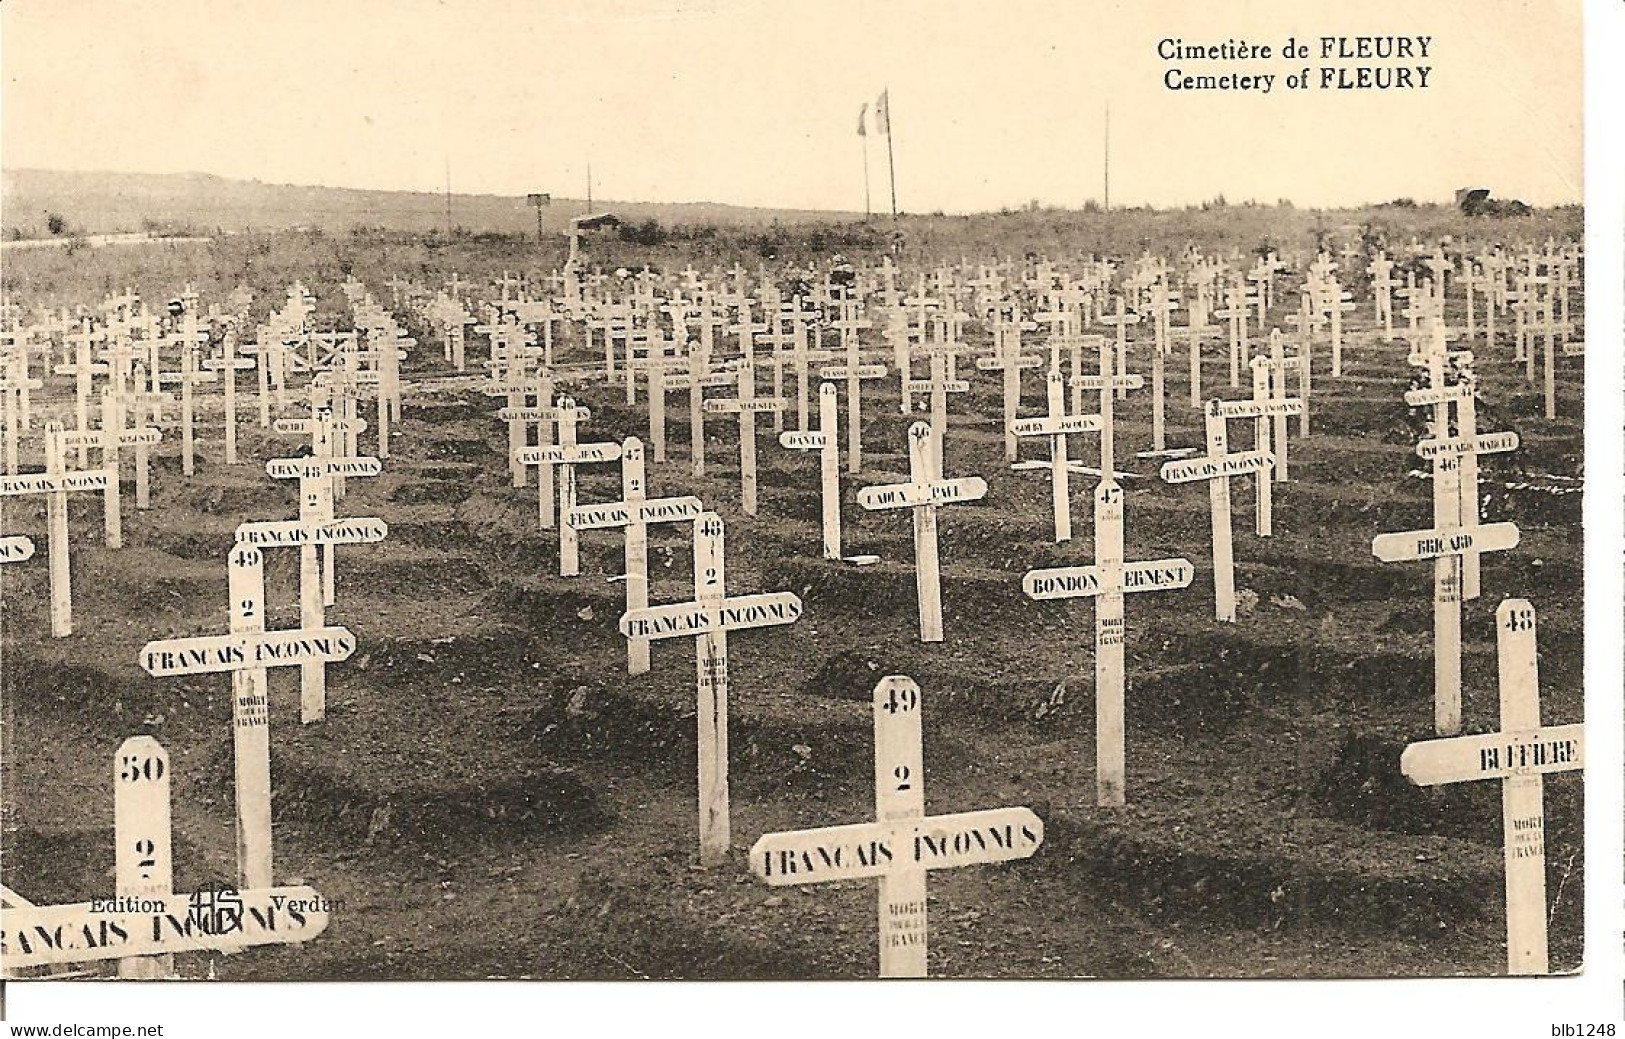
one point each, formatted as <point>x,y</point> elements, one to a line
<point>42,483</point>
<point>621,514</point>
<point>874,849</point>
<point>246,650</point>
<point>284,533</point>
<point>225,921</point>
<point>692,618</point>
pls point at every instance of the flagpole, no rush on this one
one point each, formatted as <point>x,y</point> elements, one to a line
<point>891,162</point>
<point>867,209</point>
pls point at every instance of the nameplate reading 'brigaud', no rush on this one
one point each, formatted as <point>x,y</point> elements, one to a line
<point>904,495</point>
<point>744,611</point>
<point>239,652</point>
<point>1431,544</point>
<point>875,849</point>
<point>1495,755</point>
<point>1238,464</point>
<point>1054,425</point>
<point>1070,581</point>
<point>39,936</point>
<point>40,483</point>
<point>283,533</point>
<point>621,514</point>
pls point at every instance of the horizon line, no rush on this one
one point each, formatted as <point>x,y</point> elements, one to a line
<point>1010,208</point>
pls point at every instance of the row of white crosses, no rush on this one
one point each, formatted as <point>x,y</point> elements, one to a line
<point>316,526</point>
<point>1107,581</point>
<point>1457,536</point>
<point>149,922</point>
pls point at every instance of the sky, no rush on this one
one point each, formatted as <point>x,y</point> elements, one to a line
<point>756,103</point>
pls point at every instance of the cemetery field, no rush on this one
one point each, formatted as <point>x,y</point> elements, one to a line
<point>492,795</point>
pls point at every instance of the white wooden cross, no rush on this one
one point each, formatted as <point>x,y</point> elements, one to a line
<point>316,526</point>
<point>1163,302</point>
<point>186,378</point>
<point>161,922</point>
<point>696,380</point>
<point>228,364</point>
<point>142,865</point>
<point>55,483</point>
<point>747,406</point>
<point>1217,467</point>
<point>108,439</point>
<point>659,365</point>
<point>83,369</point>
<point>925,492</point>
<point>824,440</point>
<point>1235,311</point>
<point>1056,425</point>
<point>1194,333</point>
<point>15,383</point>
<point>511,379</point>
<point>708,619</point>
<point>567,454</point>
<point>306,646</point>
<point>903,842</point>
<point>1445,545</point>
<point>1462,394</point>
<point>1108,580</point>
<point>1382,293</point>
<point>634,512</point>
<point>855,372</point>
<point>1121,321</point>
<point>521,417</point>
<point>1518,756</point>
<point>1008,359</point>
<point>937,388</point>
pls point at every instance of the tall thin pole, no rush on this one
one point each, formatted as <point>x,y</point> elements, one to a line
<point>866,209</point>
<point>891,163</point>
<point>448,193</point>
<point>1108,155</point>
<point>589,187</point>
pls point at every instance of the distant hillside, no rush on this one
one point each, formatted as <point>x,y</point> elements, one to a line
<point>99,203</point>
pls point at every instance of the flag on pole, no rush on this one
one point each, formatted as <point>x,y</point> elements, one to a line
<point>883,112</point>
<point>862,113</point>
